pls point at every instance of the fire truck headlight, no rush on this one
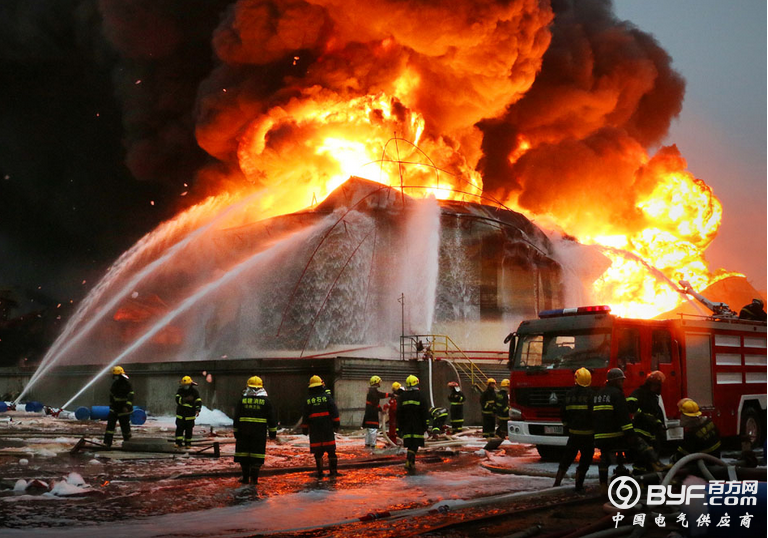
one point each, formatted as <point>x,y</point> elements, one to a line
<point>515,414</point>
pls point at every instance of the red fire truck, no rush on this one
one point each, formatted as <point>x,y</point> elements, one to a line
<point>719,361</point>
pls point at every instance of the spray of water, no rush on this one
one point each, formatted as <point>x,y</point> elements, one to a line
<point>420,267</point>
<point>69,337</point>
<point>238,271</point>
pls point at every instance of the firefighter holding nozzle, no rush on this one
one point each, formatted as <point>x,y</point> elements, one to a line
<point>699,432</point>
<point>120,406</point>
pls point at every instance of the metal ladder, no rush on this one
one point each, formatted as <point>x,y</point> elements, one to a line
<point>441,347</point>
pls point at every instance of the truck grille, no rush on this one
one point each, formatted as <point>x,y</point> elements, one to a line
<point>541,397</point>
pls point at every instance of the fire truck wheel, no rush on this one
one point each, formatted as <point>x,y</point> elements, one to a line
<point>752,426</point>
<point>549,453</point>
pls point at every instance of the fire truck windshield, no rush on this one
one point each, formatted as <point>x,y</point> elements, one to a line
<point>590,349</point>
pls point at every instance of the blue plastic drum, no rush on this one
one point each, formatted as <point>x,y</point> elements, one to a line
<point>82,413</point>
<point>100,412</point>
<point>3,407</point>
<point>33,407</point>
<point>138,416</point>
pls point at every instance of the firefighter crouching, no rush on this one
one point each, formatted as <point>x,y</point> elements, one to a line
<point>120,406</point>
<point>438,417</point>
<point>320,421</point>
<point>372,408</point>
<point>254,420</point>
<point>412,418</point>
<point>188,405</point>
<point>648,417</point>
<point>456,398</point>
<point>699,432</point>
<point>576,413</point>
<point>488,407</point>
<point>502,409</point>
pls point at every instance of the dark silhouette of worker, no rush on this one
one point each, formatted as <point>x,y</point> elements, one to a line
<point>754,311</point>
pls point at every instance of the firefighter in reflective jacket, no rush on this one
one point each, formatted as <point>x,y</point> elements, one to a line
<point>254,420</point>
<point>576,413</point>
<point>320,421</point>
<point>372,408</point>
<point>488,408</point>
<point>648,417</point>
<point>501,409</point>
<point>412,418</point>
<point>699,433</point>
<point>188,405</point>
<point>456,397</point>
<point>438,417</point>
<point>613,426</point>
<point>120,406</point>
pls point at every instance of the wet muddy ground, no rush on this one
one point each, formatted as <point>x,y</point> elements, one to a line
<point>46,491</point>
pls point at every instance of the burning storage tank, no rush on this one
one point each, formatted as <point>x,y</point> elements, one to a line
<point>329,278</point>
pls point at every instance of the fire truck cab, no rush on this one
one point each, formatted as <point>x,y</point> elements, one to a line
<point>720,363</point>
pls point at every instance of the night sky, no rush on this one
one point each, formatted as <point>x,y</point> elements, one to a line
<point>97,135</point>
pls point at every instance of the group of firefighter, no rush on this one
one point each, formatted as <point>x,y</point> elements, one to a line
<point>622,428</point>
<point>626,428</point>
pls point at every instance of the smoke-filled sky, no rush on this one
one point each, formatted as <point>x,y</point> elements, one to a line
<point>720,49</point>
<point>107,103</point>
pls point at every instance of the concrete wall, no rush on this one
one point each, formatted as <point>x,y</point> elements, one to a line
<point>285,380</point>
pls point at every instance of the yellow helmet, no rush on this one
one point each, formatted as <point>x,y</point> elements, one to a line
<point>186,380</point>
<point>117,370</point>
<point>315,381</point>
<point>583,377</point>
<point>375,380</point>
<point>690,408</point>
<point>396,386</point>
<point>490,380</point>
<point>255,382</point>
<point>505,382</point>
<point>411,381</point>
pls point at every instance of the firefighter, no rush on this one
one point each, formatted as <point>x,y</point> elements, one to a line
<point>188,405</point>
<point>254,420</point>
<point>754,311</point>
<point>488,407</point>
<point>699,432</point>
<point>320,421</point>
<point>613,427</point>
<point>412,418</point>
<point>391,409</point>
<point>438,416</point>
<point>576,413</point>
<point>456,397</point>
<point>501,409</point>
<point>648,417</point>
<point>120,406</point>
<point>372,408</point>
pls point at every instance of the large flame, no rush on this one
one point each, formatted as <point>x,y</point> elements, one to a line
<point>420,96</point>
